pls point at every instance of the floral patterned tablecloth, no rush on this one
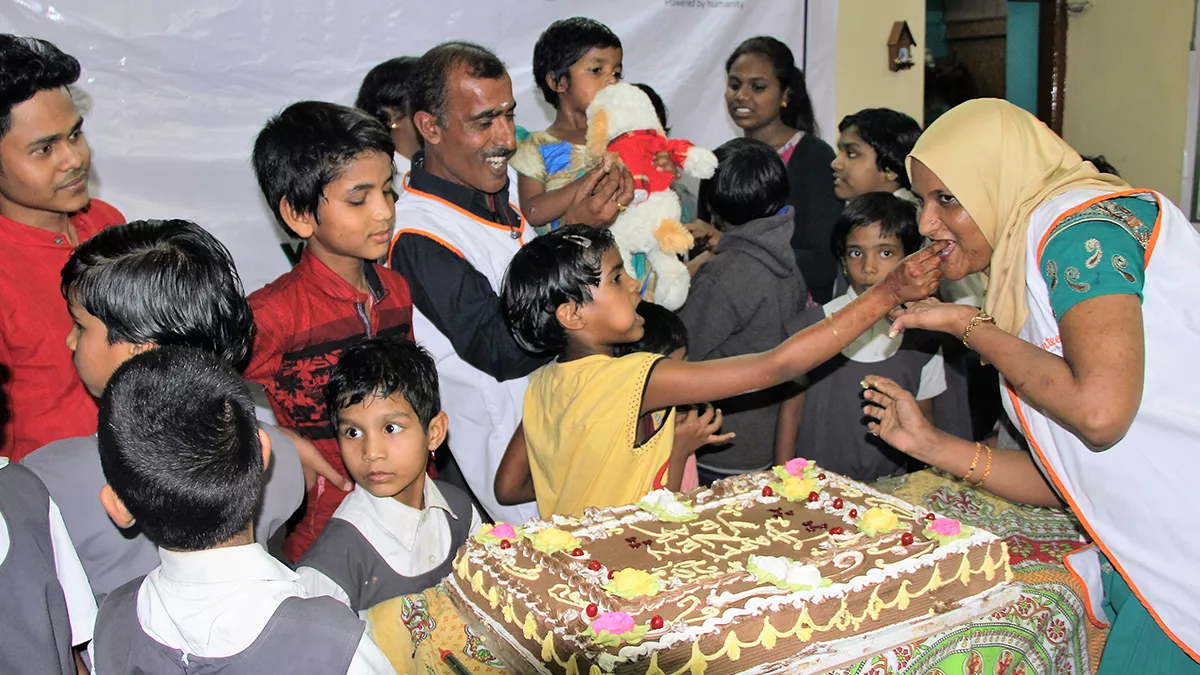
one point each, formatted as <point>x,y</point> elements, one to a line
<point>1046,632</point>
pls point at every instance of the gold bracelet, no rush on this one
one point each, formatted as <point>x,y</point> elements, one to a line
<point>974,462</point>
<point>833,326</point>
<point>981,317</point>
<point>987,471</point>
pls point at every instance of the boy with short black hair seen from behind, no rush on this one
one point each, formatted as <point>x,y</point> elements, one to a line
<point>741,299</point>
<point>326,173</point>
<point>183,457</point>
<point>130,288</point>
<point>397,531</point>
<point>872,236</point>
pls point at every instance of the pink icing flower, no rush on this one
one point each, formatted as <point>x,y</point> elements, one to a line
<point>947,527</point>
<point>796,466</point>
<point>503,531</point>
<point>617,623</point>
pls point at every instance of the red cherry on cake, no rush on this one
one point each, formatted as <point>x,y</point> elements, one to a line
<point>930,516</point>
<point>853,513</point>
<point>656,622</point>
<point>577,552</point>
<point>836,530</point>
<point>768,492</point>
<point>821,476</point>
<point>814,497</point>
<point>906,539</point>
<point>594,566</point>
<point>592,610</point>
<point>611,573</point>
<point>837,502</point>
<point>504,543</point>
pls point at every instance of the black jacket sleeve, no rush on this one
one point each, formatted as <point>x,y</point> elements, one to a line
<point>817,209</point>
<point>461,303</point>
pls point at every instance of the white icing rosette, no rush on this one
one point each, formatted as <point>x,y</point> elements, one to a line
<point>786,573</point>
<point>667,507</point>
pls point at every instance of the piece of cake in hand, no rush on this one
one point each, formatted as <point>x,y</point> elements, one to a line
<point>793,570</point>
<point>397,531</point>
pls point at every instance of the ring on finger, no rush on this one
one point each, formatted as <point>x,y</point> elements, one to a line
<point>621,207</point>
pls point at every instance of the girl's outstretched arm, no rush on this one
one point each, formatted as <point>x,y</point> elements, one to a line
<point>680,382</point>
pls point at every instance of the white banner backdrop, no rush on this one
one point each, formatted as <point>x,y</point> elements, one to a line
<point>175,92</point>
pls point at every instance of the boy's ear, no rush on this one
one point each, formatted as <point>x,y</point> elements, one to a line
<point>115,508</point>
<point>266,448</point>
<point>302,225</point>
<point>437,429</point>
<point>428,127</point>
<point>559,86</point>
<point>569,317</point>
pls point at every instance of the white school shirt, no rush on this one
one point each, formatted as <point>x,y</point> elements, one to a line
<point>81,605</point>
<point>215,603</point>
<point>874,346</point>
<point>411,541</point>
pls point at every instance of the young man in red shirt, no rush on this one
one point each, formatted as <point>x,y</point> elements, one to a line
<point>45,212</point>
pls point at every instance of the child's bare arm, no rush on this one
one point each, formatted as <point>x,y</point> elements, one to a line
<point>514,480</point>
<point>674,383</point>
<point>692,432</point>
<point>542,206</point>
<point>926,408</point>
<point>788,427</point>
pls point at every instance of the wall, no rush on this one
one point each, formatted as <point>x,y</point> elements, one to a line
<point>861,75</point>
<point>1127,86</point>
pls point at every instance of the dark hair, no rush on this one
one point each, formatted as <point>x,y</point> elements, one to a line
<point>385,89</point>
<point>890,133</point>
<point>896,217</point>
<point>167,282</point>
<point>306,147</point>
<point>553,269</point>
<point>427,88</point>
<point>660,108</point>
<point>750,182</point>
<point>1101,165</point>
<point>179,445</point>
<point>28,66</point>
<point>665,332</point>
<point>562,44</point>
<point>381,368</point>
<point>798,113</point>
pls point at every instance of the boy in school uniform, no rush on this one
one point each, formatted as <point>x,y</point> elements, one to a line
<point>397,532</point>
<point>326,172</point>
<point>44,592</point>
<point>183,457</point>
<point>130,288</point>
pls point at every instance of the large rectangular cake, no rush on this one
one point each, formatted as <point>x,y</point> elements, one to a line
<point>794,570</point>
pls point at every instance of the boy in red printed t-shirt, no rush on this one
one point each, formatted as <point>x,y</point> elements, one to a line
<point>326,171</point>
<point>45,212</point>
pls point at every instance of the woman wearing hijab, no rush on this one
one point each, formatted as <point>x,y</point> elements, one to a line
<point>1091,319</point>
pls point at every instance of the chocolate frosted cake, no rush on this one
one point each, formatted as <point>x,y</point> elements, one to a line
<point>796,570</point>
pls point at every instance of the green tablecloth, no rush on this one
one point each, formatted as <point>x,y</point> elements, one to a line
<point>1046,632</point>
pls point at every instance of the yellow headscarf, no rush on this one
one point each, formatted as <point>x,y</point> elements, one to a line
<point>1002,163</point>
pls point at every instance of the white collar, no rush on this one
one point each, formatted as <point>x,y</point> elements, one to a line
<point>384,516</point>
<point>872,346</point>
<point>249,562</point>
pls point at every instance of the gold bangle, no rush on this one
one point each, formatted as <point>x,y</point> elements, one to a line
<point>833,326</point>
<point>974,462</point>
<point>987,471</point>
<point>981,317</point>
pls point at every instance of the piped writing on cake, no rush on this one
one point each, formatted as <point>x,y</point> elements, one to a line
<point>721,576</point>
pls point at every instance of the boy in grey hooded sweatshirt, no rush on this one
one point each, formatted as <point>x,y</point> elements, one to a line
<point>741,299</point>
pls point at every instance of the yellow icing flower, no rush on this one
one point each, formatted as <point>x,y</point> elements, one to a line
<point>797,489</point>
<point>551,539</point>
<point>875,520</point>
<point>630,583</point>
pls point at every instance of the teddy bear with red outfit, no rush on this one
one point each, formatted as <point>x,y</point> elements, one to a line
<point>622,121</point>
